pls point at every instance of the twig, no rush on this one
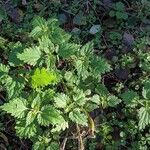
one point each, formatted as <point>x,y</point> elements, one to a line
<point>80,140</point>
<point>68,12</point>
<point>87,7</point>
<point>75,138</point>
<point>7,1</point>
<point>63,145</point>
<point>1,96</point>
<point>89,3</point>
<point>127,4</point>
<point>105,41</point>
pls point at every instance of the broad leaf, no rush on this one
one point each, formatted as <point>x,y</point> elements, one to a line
<point>78,117</point>
<point>68,50</point>
<point>16,107</point>
<point>61,100</point>
<point>61,126</point>
<point>95,99</point>
<point>42,77</point>
<point>79,97</point>
<point>113,101</point>
<point>129,96</point>
<point>144,117</point>
<point>30,117</point>
<point>46,45</point>
<point>13,86</point>
<point>24,131</point>
<point>53,146</point>
<point>146,90</point>
<point>49,115</point>
<point>30,55</point>
<point>99,66</point>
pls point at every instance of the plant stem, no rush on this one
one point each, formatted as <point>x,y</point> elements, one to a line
<point>80,140</point>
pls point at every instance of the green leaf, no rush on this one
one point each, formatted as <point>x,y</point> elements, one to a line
<point>3,43</point>
<point>13,86</point>
<point>146,90</point>
<point>82,61</point>
<point>50,61</point>
<point>24,131</point>
<point>115,36</point>
<point>30,55</point>
<point>13,60</point>
<point>77,117</point>
<point>60,127</point>
<point>101,90</point>
<point>49,115</point>
<point>129,96</point>
<point>47,96</point>
<point>46,45</point>
<point>30,117</point>
<point>112,13</point>
<point>3,14</point>
<point>82,68</point>
<point>61,100</point>
<point>71,78</point>
<point>68,49</point>
<point>36,103</point>
<point>119,15</point>
<point>38,145</point>
<point>53,146</point>
<point>16,107</point>
<point>87,49</point>
<point>99,66</point>
<point>40,27</point>
<point>125,16</point>
<point>39,21</point>
<point>41,143</point>
<point>144,117</point>
<point>95,99</point>
<point>42,77</point>
<point>144,60</point>
<point>3,70</point>
<point>79,97</point>
<point>59,36</point>
<point>120,6</point>
<point>90,106</point>
<point>113,101</point>
<point>92,103</point>
<point>79,19</point>
<point>36,32</point>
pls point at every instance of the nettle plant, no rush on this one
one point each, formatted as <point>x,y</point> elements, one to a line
<point>51,84</point>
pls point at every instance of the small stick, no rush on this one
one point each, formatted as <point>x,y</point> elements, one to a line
<point>80,140</point>
<point>63,145</point>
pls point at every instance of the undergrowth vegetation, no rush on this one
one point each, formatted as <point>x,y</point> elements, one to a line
<point>75,75</point>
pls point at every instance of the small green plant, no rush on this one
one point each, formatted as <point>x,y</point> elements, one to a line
<point>131,99</point>
<point>115,37</point>
<point>127,61</point>
<point>105,131</point>
<point>119,11</point>
<point>43,95</point>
